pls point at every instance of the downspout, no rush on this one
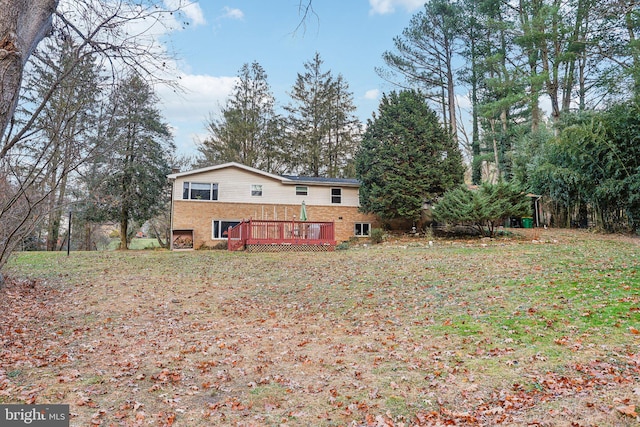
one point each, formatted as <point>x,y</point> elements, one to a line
<point>173,182</point>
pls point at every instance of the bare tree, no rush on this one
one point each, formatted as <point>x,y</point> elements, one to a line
<point>23,23</point>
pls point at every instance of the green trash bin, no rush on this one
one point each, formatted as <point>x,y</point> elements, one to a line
<point>527,222</point>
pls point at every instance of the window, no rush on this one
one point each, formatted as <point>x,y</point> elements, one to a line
<point>302,191</point>
<point>362,229</point>
<point>256,190</point>
<point>336,195</point>
<point>199,191</point>
<point>219,228</point>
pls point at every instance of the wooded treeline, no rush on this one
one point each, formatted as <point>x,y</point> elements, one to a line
<point>552,88</point>
<point>511,82</point>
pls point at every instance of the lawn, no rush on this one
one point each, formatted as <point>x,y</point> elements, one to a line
<point>136,244</point>
<point>538,329</point>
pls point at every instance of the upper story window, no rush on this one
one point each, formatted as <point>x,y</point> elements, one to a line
<point>336,195</point>
<point>199,191</point>
<point>302,190</point>
<point>256,190</point>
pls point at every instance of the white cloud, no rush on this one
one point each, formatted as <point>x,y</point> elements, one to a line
<point>372,94</point>
<point>190,9</point>
<point>193,12</point>
<point>186,112</point>
<point>383,7</point>
<point>232,13</point>
<point>202,94</point>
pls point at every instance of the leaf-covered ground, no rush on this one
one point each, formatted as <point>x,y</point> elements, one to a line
<point>537,330</point>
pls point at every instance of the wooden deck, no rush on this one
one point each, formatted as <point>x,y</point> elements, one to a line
<point>264,235</point>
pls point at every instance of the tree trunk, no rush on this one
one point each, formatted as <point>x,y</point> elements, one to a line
<point>23,23</point>
<point>496,156</point>
<point>453,123</point>
<point>532,52</point>
<point>476,165</point>
<point>87,238</point>
<point>124,225</point>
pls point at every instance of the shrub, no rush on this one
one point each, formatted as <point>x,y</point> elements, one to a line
<point>342,246</point>
<point>484,209</point>
<point>377,235</point>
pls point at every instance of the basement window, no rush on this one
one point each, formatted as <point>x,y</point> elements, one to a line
<point>362,229</point>
<point>219,228</point>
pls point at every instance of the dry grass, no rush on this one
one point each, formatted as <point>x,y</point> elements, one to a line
<point>534,330</point>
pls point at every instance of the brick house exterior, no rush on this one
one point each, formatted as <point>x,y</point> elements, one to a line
<point>206,201</point>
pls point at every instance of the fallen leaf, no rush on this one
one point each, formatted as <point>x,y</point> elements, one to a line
<point>494,410</point>
<point>629,410</point>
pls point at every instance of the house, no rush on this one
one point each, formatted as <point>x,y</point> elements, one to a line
<point>206,202</point>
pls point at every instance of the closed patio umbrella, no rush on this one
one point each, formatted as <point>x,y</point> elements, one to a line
<point>303,212</point>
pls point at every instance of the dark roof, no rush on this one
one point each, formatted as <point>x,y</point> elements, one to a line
<point>322,180</point>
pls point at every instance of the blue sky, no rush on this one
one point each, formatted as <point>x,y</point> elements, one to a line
<point>349,35</point>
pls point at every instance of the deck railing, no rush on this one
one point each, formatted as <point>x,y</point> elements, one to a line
<point>265,232</point>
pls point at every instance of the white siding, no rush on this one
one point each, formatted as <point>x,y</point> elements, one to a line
<point>234,186</point>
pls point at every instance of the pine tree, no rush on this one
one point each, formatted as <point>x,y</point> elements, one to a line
<point>134,173</point>
<point>485,208</point>
<point>248,131</point>
<point>406,158</point>
<point>424,55</point>
<point>321,124</point>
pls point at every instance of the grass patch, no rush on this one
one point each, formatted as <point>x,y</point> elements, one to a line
<point>510,331</point>
<point>135,244</point>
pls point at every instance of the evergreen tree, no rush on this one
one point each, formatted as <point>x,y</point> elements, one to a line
<point>484,209</point>
<point>616,55</point>
<point>471,74</point>
<point>502,97</point>
<point>344,132</point>
<point>595,162</point>
<point>134,172</point>
<point>406,158</point>
<point>249,131</point>
<point>321,125</point>
<point>424,55</point>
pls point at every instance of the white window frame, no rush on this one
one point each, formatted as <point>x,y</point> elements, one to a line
<point>302,190</point>
<point>337,197</point>
<point>256,190</point>
<point>187,187</point>
<point>222,230</point>
<point>362,225</point>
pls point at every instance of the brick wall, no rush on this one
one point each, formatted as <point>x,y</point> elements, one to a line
<point>197,215</point>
